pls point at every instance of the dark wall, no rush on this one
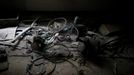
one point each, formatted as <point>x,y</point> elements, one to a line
<point>100,7</point>
<point>68,4</point>
<point>58,5</point>
<point>12,5</point>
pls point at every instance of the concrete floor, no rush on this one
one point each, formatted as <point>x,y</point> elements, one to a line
<point>17,66</point>
<point>107,66</point>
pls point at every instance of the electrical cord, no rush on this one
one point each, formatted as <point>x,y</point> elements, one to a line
<point>64,26</point>
<point>52,58</point>
<point>29,67</point>
<point>44,57</point>
<point>51,21</point>
<point>73,27</point>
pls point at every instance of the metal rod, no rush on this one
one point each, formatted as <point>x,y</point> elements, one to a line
<point>24,31</point>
